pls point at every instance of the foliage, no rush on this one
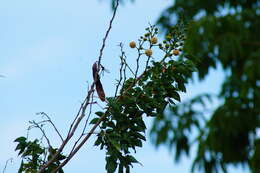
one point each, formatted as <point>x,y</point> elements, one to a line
<point>123,128</point>
<point>227,33</point>
<point>146,92</point>
<point>34,155</point>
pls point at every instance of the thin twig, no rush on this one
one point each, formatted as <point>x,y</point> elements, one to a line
<point>124,58</point>
<point>78,114</point>
<point>6,163</point>
<point>55,128</point>
<point>72,130</point>
<point>106,35</point>
<point>80,145</point>
<point>90,111</point>
<point>137,60</point>
<point>43,132</point>
<point>121,68</point>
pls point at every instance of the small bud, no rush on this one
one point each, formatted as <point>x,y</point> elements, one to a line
<point>147,34</point>
<point>132,44</point>
<point>160,46</point>
<point>148,52</point>
<point>176,52</point>
<point>154,40</point>
<point>168,37</point>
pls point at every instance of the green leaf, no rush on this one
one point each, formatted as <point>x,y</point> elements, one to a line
<point>111,164</point>
<point>94,121</point>
<point>115,144</point>
<point>20,139</point>
<point>100,114</point>
<point>138,135</point>
<point>121,168</point>
<point>176,96</point>
<point>127,169</point>
<point>132,159</point>
<point>98,141</point>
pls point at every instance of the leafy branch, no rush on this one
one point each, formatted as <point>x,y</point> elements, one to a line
<point>121,124</point>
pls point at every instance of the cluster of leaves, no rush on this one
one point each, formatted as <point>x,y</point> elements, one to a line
<point>146,93</point>
<point>232,40</point>
<point>123,127</point>
<point>34,155</point>
<point>177,124</point>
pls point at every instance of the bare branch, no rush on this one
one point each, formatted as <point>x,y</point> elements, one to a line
<point>106,35</point>
<point>81,113</point>
<point>39,126</point>
<point>141,42</point>
<point>121,68</point>
<point>50,121</point>
<point>81,144</point>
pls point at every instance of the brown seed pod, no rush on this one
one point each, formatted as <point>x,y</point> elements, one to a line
<point>100,91</point>
<point>94,71</point>
<point>98,84</point>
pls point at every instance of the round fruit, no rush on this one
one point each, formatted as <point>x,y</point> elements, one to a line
<point>132,44</point>
<point>148,52</point>
<point>175,52</point>
<point>154,40</point>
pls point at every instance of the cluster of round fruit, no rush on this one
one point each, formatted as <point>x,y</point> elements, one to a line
<point>153,41</point>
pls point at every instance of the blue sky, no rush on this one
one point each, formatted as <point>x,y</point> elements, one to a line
<point>47,50</point>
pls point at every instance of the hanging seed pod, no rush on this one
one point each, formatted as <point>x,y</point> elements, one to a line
<point>98,84</point>
<point>100,91</point>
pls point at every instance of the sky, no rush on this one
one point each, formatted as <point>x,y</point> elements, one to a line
<point>47,50</point>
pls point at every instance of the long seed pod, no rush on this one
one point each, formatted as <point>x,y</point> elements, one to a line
<point>98,84</point>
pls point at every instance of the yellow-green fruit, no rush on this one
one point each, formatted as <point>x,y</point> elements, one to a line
<point>148,52</point>
<point>154,40</point>
<point>175,52</point>
<point>132,44</point>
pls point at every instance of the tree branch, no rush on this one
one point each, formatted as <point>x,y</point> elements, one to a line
<point>81,113</point>
<point>50,121</point>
